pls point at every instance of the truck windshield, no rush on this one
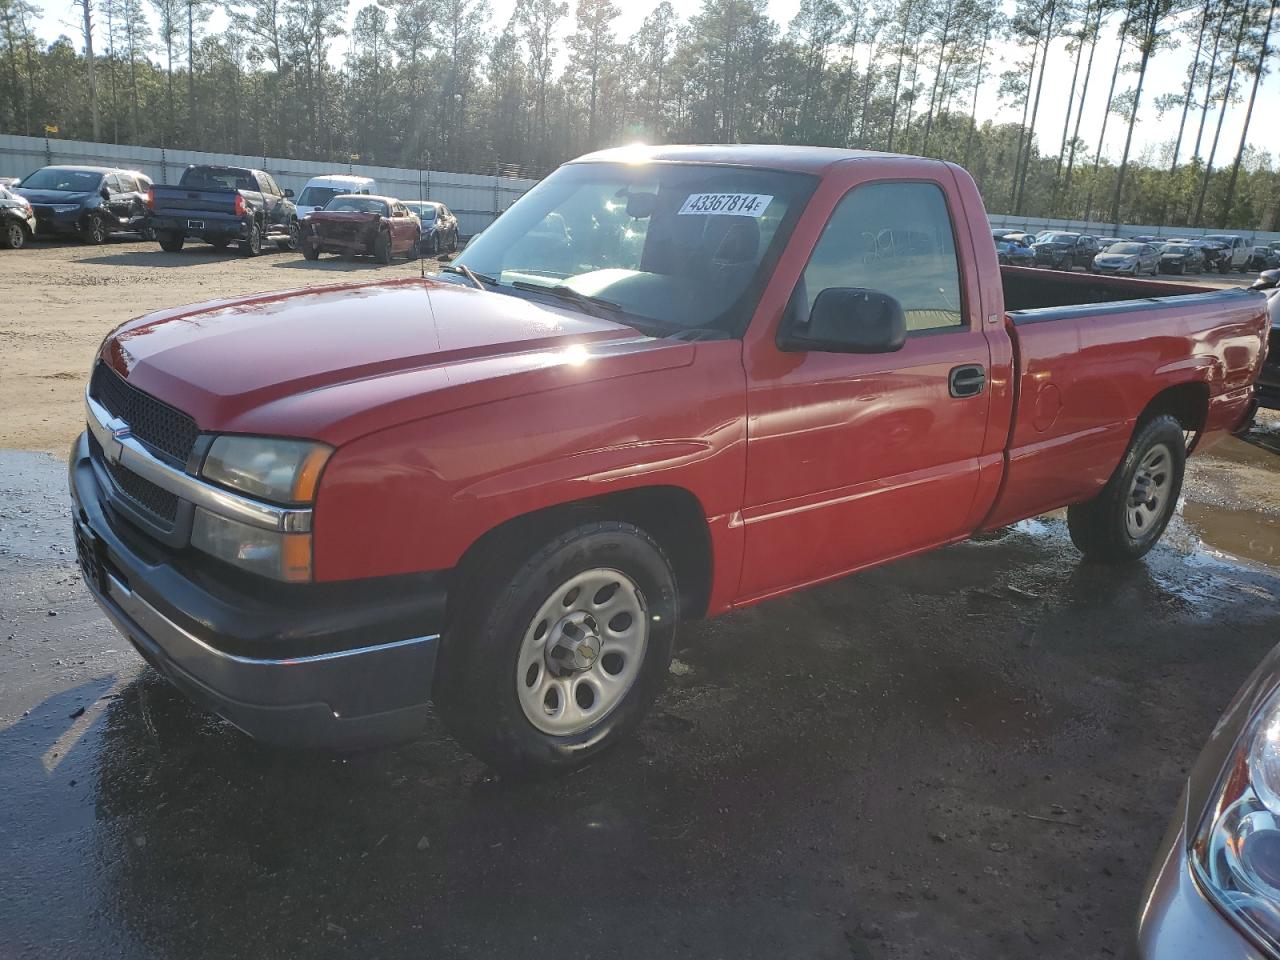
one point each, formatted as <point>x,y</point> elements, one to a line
<point>59,178</point>
<point>677,246</point>
<point>318,196</point>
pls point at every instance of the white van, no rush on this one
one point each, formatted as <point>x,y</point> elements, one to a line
<point>320,190</point>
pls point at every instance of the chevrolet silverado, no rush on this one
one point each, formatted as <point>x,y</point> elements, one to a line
<point>666,383</point>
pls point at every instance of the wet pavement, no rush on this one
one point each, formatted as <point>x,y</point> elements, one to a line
<point>969,754</point>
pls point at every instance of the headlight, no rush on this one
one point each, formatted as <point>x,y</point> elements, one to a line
<point>270,553</point>
<point>282,471</point>
<point>1236,852</point>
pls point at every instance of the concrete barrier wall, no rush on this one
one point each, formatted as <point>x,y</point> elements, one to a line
<point>476,198</point>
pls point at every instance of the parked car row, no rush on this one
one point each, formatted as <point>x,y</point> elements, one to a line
<point>221,205</point>
<point>1133,256</point>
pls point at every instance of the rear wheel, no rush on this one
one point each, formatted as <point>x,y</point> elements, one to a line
<point>1126,519</point>
<point>14,236</point>
<point>553,659</point>
<point>251,246</point>
<point>171,242</point>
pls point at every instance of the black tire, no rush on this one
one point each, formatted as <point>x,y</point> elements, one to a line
<point>95,231</point>
<point>251,246</point>
<point>415,252</point>
<point>1224,267</point>
<point>1101,528</point>
<point>453,242</point>
<point>147,233</point>
<point>382,248</point>
<point>290,242</point>
<point>435,243</point>
<point>310,251</point>
<point>14,236</point>
<point>171,243</point>
<point>476,675</point>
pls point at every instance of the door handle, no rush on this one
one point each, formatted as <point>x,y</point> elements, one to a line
<point>967,380</point>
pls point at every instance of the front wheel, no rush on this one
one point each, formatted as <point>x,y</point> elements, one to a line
<point>310,250</point>
<point>435,243</point>
<point>94,232</point>
<point>289,242</point>
<point>14,237</point>
<point>453,242</point>
<point>1126,519</point>
<point>382,248</point>
<point>554,659</point>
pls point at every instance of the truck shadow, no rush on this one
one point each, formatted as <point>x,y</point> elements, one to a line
<point>187,257</point>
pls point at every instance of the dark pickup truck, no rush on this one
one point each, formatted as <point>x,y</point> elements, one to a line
<point>220,204</point>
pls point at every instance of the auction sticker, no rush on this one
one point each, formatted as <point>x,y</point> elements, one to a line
<point>726,204</point>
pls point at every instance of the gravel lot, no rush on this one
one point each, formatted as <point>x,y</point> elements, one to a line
<point>969,754</point>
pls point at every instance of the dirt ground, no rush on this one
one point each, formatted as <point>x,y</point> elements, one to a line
<point>59,299</point>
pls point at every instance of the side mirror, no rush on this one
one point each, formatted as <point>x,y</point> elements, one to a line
<point>104,193</point>
<point>850,320</point>
<point>1267,280</point>
<point>288,193</point>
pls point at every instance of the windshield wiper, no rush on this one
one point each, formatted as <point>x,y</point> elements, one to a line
<point>598,306</point>
<point>478,280</point>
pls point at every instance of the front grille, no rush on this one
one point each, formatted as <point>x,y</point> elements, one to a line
<point>154,501</point>
<point>168,431</point>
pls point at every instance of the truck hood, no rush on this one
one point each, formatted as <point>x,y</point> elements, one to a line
<point>334,363</point>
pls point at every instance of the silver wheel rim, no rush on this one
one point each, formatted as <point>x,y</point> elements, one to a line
<point>582,652</point>
<point>1149,493</point>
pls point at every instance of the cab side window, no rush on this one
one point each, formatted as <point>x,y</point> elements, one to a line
<point>895,238</point>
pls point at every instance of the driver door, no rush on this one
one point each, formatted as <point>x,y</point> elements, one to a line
<point>857,458</point>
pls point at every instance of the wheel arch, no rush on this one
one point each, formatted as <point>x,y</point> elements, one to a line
<point>672,515</point>
<point>1187,402</point>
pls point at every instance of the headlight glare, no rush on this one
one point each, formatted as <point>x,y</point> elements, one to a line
<point>283,471</point>
<point>270,553</point>
<point>1235,854</point>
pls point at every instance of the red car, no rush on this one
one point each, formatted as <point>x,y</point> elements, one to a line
<point>667,383</point>
<point>362,225</point>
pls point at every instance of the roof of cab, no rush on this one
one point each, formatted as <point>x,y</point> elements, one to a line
<point>769,155</point>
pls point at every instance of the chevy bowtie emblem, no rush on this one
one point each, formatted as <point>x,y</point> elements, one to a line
<point>119,429</point>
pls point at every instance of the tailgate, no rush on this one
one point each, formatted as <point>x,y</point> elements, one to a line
<point>180,200</point>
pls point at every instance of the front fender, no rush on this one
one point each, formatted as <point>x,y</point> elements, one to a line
<point>415,496</point>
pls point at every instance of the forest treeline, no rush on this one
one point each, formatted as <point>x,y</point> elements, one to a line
<point>441,83</point>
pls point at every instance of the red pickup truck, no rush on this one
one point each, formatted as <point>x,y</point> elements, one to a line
<point>667,383</point>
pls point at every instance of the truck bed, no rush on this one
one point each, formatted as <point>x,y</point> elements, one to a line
<point>1090,354</point>
<point>1032,294</point>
